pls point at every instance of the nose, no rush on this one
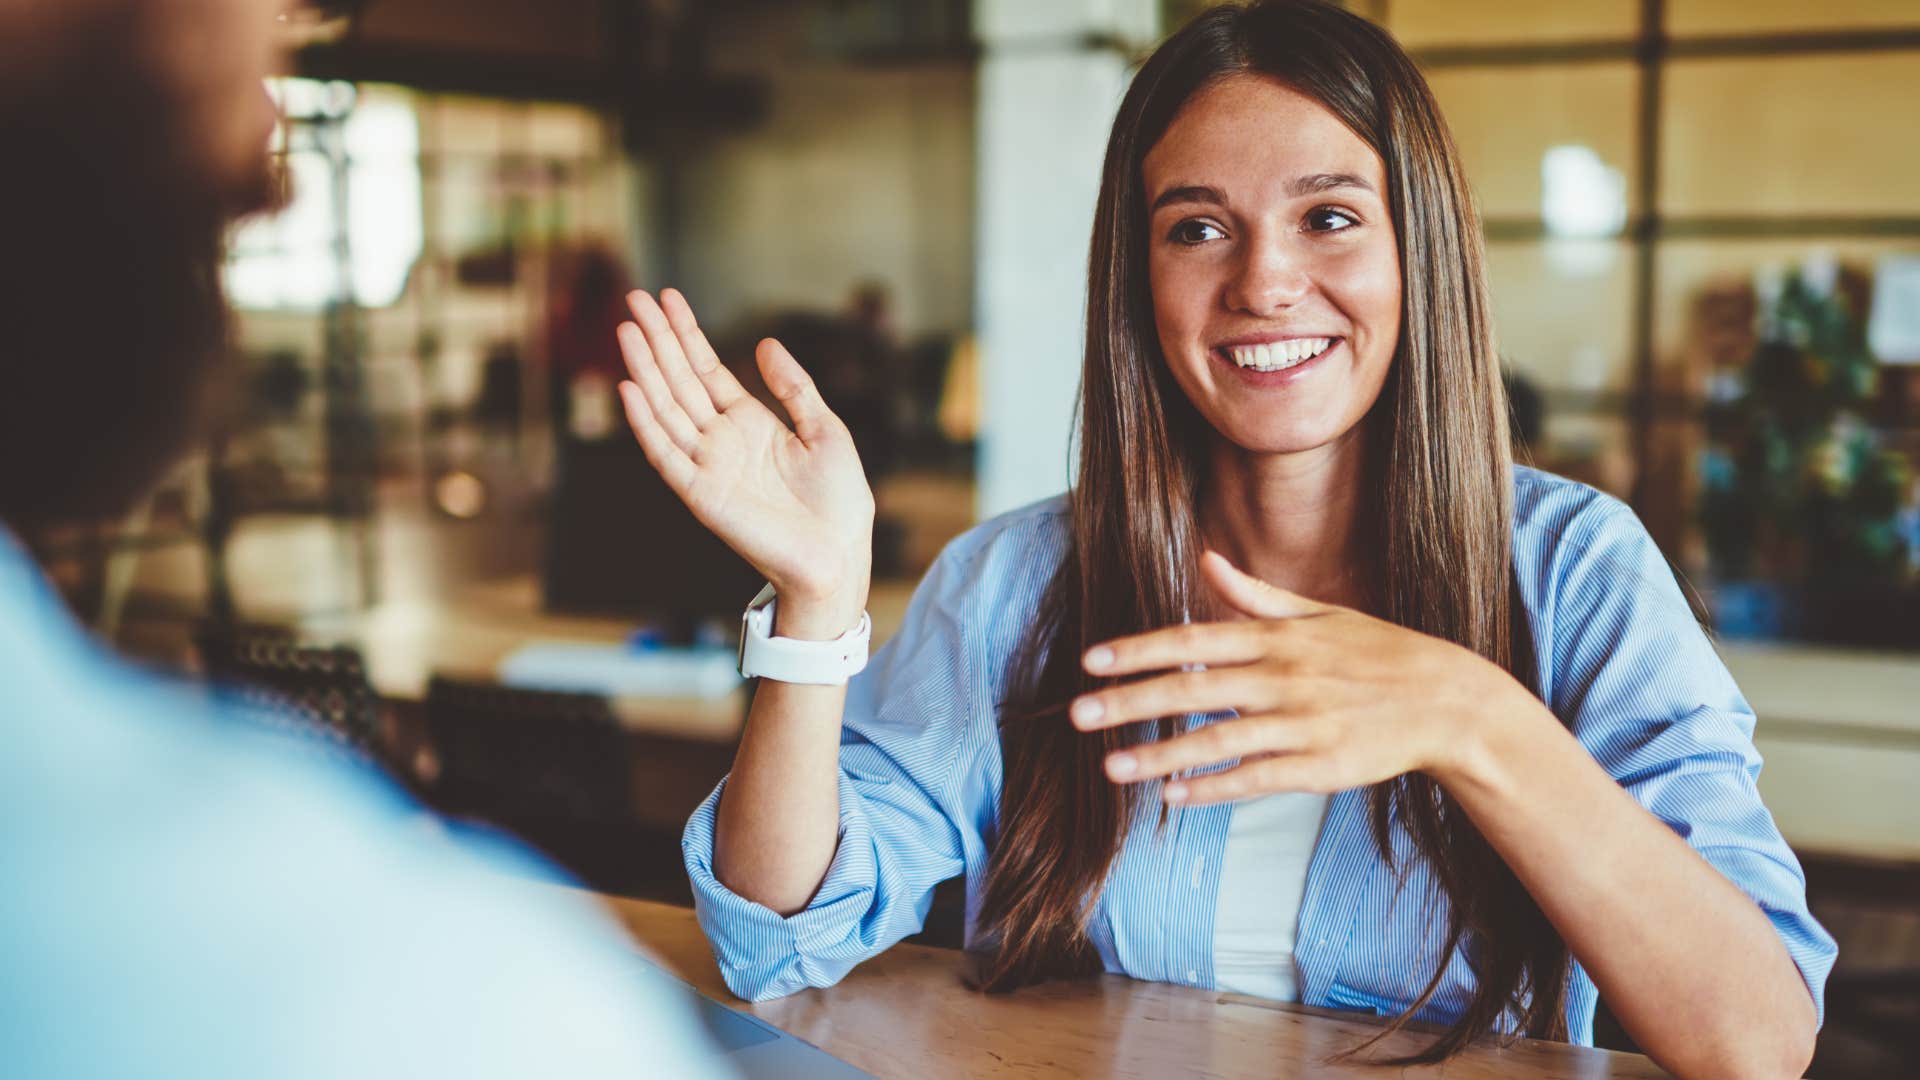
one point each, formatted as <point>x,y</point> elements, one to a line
<point>1271,277</point>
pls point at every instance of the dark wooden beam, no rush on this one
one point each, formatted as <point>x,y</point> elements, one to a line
<point>1627,50</point>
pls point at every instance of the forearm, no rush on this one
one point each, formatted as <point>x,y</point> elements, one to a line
<point>778,821</point>
<point>1688,963</point>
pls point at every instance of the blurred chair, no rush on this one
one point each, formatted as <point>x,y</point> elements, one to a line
<point>555,769</point>
<point>317,694</point>
<point>526,757</point>
<point>619,541</point>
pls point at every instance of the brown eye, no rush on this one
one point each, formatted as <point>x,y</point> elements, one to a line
<point>1328,219</point>
<point>1194,231</point>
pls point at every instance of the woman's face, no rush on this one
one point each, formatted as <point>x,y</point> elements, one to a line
<point>1274,268</point>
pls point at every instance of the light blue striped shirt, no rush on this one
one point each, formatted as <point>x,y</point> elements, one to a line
<point>1626,666</point>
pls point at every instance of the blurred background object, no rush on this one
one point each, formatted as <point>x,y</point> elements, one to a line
<point>1704,242</point>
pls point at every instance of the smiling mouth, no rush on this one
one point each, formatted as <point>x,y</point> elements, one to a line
<point>1277,355</point>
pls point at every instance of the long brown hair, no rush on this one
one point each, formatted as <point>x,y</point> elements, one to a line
<point>1437,520</point>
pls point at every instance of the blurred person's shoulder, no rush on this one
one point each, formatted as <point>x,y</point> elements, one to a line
<point>189,897</point>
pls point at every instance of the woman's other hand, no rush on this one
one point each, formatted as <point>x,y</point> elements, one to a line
<point>792,501</point>
<point>1328,698</point>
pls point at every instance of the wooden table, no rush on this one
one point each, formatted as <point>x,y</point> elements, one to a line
<point>906,1013</point>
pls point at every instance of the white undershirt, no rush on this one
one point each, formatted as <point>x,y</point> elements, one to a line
<point>1263,876</point>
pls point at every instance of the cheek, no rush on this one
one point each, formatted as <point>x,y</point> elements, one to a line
<point>1182,295</point>
<point>1370,290</point>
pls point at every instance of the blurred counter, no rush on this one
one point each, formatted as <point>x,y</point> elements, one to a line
<point>1840,732</point>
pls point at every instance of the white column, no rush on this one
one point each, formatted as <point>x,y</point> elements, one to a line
<point>1051,77</point>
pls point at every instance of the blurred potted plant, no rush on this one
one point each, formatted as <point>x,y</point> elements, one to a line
<point>1802,500</point>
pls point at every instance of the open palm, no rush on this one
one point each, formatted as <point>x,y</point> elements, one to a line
<point>793,502</point>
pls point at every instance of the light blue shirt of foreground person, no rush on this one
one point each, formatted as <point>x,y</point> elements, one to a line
<point>182,895</point>
<point>1624,663</point>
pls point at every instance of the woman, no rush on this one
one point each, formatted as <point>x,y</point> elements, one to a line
<point>1449,747</point>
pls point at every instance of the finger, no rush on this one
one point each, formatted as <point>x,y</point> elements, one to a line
<point>664,408</point>
<point>1175,694</point>
<point>672,463</point>
<point>1193,643</point>
<point>1265,776</point>
<point>794,388</point>
<point>671,358</point>
<point>633,350</point>
<point>722,387</point>
<point>1249,594</point>
<point>1226,740</point>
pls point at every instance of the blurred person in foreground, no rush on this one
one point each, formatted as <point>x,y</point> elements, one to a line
<point>182,898</point>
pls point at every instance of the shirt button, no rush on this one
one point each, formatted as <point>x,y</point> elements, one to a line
<point>1193,976</point>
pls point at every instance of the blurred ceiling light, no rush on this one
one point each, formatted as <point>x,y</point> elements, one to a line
<point>1581,195</point>
<point>1583,204</point>
<point>460,495</point>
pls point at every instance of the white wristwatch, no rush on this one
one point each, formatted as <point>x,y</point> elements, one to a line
<point>791,660</point>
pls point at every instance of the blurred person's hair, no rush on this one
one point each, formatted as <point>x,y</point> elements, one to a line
<point>112,223</point>
<point>1437,521</point>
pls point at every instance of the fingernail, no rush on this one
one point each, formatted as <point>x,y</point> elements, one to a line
<point>1087,710</point>
<point>1099,657</point>
<point>1176,793</point>
<point>1121,766</point>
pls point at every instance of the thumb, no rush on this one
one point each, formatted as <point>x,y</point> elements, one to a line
<point>1250,595</point>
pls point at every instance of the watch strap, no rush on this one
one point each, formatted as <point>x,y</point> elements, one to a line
<point>793,660</point>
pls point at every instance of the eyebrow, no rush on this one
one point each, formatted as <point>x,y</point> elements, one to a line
<point>1311,184</point>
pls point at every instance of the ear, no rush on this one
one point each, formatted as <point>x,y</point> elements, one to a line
<point>1249,594</point>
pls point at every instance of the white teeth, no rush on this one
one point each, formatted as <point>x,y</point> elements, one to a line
<point>1279,355</point>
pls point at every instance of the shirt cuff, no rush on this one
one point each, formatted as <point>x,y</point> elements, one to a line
<point>1775,887</point>
<point>764,955</point>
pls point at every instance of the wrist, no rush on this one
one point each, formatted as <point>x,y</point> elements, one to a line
<point>823,605</point>
<point>1490,736</point>
<point>814,617</point>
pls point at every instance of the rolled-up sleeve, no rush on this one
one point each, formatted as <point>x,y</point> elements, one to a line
<point>919,758</point>
<point>1640,685</point>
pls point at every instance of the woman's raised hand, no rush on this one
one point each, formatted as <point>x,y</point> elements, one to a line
<point>792,501</point>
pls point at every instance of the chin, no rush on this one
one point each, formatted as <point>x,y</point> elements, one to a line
<point>1269,436</point>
